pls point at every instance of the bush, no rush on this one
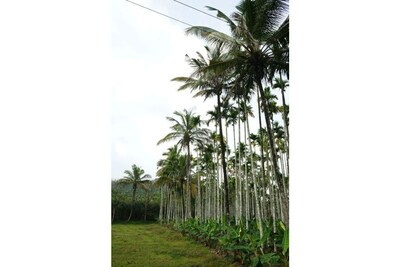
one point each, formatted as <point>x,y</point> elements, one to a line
<point>244,246</point>
<point>122,211</point>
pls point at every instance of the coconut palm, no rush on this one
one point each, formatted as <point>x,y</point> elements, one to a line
<point>209,83</point>
<point>256,28</point>
<point>186,129</point>
<point>136,178</point>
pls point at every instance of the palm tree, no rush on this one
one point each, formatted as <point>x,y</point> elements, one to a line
<point>232,119</point>
<point>135,177</point>
<point>171,176</point>
<point>208,83</point>
<point>282,84</point>
<point>257,31</point>
<point>186,129</point>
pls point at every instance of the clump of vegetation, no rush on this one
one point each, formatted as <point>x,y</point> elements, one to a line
<point>243,246</point>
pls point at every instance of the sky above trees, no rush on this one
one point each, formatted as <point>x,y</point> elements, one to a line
<point>148,50</point>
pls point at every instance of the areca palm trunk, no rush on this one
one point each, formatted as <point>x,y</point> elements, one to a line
<point>172,205</point>
<point>256,198</point>
<point>246,186</point>
<point>240,169</point>
<point>168,206</point>
<point>199,206</point>
<point>217,181</point>
<point>286,127</point>
<point>284,173</point>
<point>285,116</point>
<point>236,179</point>
<point>210,195</point>
<point>215,191</point>
<point>273,150</point>
<point>207,196</point>
<point>189,191</point>
<point>261,147</point>
<point>272,200</point>
<point>223,148</point>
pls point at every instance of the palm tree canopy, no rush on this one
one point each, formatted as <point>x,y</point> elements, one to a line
<point>260,37</point>
<point>280,83</point>
<point>186,129</point>
<point>171,169</point>
<point>135,176</point>
<point>210,76</point>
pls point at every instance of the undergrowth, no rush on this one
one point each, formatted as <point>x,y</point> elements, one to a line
<point>243,245</point>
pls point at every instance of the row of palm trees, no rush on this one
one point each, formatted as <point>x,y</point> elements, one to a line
<point>252,180</point>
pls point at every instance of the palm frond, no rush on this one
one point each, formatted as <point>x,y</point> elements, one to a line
<point>169,137</point>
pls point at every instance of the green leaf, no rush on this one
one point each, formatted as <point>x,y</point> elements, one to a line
<point>269,258</point>
<point>255,261</point>
<point>285,242</point>
<point>265,236</point>
<point>282,225</point>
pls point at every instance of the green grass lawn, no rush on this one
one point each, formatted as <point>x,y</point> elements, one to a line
<point>150,244</point>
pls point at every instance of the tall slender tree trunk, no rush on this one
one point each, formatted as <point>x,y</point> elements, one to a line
<point>261,149</point>
<point>133,201</point>
<point>182,196</point>
<point>160,216</point>
<point>189,186</point>
<point>285,116</point>
<point>247,184</point>
<point>256,197</point>
<point>223,157</point>
<point>217,182</point>
<point>236,178</point>
<point>169,205</point>
<point>211,196</point>
<point>272,201</point>
<point>240,169</point>
<point>199,207</point>
<point>275,167</point>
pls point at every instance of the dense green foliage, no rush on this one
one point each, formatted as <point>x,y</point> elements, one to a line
<point>121,203</point>
<point>244,246</point>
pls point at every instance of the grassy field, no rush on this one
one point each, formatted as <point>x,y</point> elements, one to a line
<point>150,244</point>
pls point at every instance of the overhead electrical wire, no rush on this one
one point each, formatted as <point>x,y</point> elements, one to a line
<point>159,13</point>
<point>198,10</point>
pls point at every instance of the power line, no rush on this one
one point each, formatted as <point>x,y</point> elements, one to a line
<point>159,13</point>
<point>198,10</point>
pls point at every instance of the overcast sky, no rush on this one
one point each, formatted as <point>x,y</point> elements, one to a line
<point>148,50</point>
